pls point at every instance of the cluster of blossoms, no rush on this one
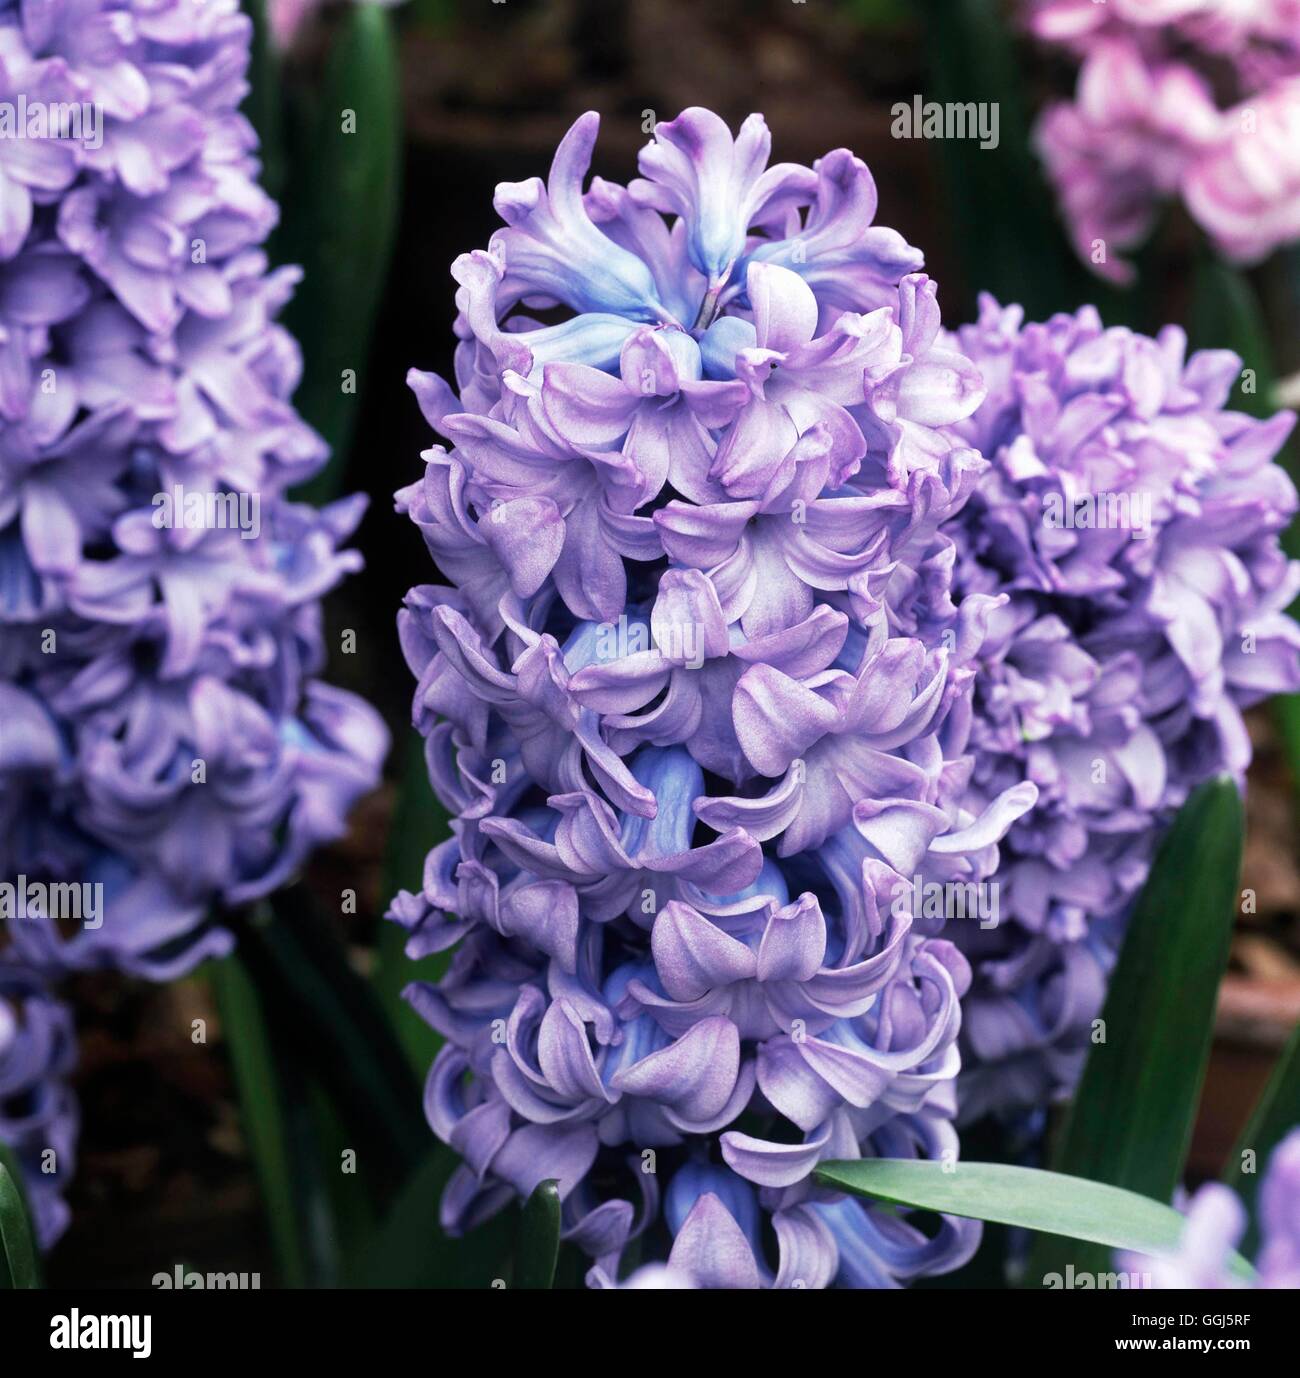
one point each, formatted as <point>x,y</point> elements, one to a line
<point>166,749</point>
<point>1134,524</point>
<point>1145,124</point>
<point>698,697</point>
<point>1216,1222</point>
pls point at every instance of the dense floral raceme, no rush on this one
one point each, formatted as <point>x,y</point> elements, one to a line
<point>698,698</point>
<point>1216,1224</point>
<point>1133,520</point>
<point>1197,100</point>
<point>166,749</point>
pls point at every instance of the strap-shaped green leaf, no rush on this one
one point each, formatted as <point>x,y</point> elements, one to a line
<point>1132,1117</point>
<point>340,219</point>
<point>264,105</point>
<point>327,1013</point>
<point>1277,1113</point>
<point>18,1265</point>
<point>419,823</point>
<point>539,1238</point>
<point>410,1250</point>
<point>276,1121</point>
<point>1027,1197</point>
<point>1018,257</point>
<point>1226,314</point>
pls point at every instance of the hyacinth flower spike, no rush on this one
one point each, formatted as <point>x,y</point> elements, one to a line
<point>698,697</point>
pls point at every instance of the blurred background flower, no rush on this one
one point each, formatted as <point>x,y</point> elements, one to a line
<point>167,749</point>
<point>1195,100</point>
<point>1134,523</point>
<point>1216,1222</point>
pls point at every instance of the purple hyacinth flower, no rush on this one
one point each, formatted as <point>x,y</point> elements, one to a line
<point>1216,1222</point>
<point>1246,193</point>
<point>1134,524</point>
<point>1122,148</point>
<point>1145,125</point>
<point>173,748</point>
<point>167,748</point>
<point>698,698</point>
<point>1261,38</point>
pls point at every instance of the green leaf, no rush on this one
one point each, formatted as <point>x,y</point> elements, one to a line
<point>1226,314</point>
<point>539,1238</point>
<point>340,223</point>
<point>1286,713</point>
<point>1005,230</point>
<point>411,1251</point>
<point>277,1128</point>
<point>352,1216</point>
<point>1276,1114</point>
<point>1030,1198</point>
<point>17,1246</point>
<point>1131,1121</point>
<point>265,99</point>
<point>987,1140</point>
<point>419,824</point>
<point>321,1072</point>
<point>327,1017</point>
